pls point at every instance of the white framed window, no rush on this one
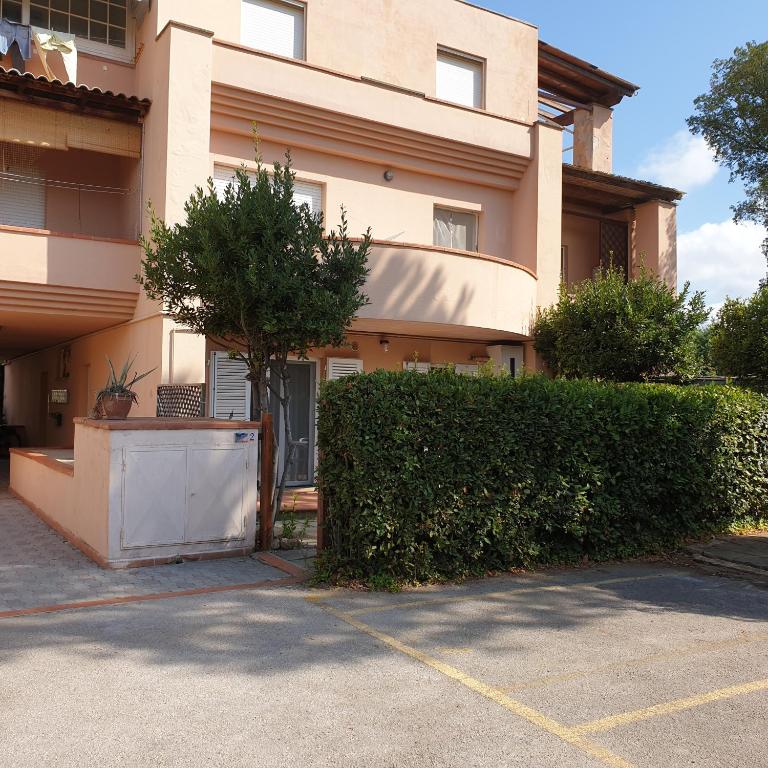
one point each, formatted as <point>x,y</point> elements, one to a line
<point>102,27</point>
<point>455,229</point>
<point>274,26</point>
<point>308,192</point>
<point>460,78</point>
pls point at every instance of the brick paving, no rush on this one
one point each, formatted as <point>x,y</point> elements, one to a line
<point>38,567</point>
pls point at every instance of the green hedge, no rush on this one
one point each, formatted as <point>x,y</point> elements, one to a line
<point>441,475</point>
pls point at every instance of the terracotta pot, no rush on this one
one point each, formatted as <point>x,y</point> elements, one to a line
<point>117,406</point>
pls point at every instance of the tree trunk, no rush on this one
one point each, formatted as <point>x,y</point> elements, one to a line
<point>290,448</point>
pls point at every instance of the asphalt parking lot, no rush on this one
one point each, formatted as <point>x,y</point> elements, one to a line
<point>635,665</point>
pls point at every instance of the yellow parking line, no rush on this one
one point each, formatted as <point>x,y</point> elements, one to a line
<point>692,650</point>
<point>608,723</point>
<point>501,595</point>
<point>539,719</point>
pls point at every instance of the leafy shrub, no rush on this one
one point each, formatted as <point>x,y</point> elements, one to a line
<point>441,475</point>
<point>739,338</point>
<point>618,330</point>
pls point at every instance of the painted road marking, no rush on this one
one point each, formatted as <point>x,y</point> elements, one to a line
<point>668,708</point>
<point>502,595</point>
<point>563,732</point>
<point>681,653</point>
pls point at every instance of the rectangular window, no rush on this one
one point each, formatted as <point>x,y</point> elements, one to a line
<point>459,79</point>
<point>11,10</point>
<point>455,229</point>
<point>101,21</point>
<point>303,191</point>
<point>275,26</point>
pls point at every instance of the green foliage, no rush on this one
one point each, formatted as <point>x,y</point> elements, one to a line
<point>733,118</point>
<point>441,475</point>
<point>739,339</point>
<point>257,272</point>
<point>118,384</point>
<point>617,330</point>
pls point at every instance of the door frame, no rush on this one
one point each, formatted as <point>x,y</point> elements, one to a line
<point>314,386</point>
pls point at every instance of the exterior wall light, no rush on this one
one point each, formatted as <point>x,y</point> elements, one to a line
<point>385,344</point>
<point>389,175</point>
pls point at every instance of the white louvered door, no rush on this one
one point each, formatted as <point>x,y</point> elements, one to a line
<point>231,391</point>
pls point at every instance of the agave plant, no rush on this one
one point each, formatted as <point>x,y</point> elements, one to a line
<point>119,385</point>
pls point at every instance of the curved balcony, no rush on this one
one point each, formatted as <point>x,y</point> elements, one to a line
<point>446,293</point>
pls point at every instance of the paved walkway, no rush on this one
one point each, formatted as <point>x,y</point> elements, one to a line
<point>39,568</point>
<point>748,554</point>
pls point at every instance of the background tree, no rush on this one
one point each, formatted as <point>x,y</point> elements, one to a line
<point>733,118</point>
<point>611,329</point>
<point>256,273</point>
<point>739,338</point>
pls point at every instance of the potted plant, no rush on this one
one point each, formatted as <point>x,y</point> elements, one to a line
<point>117,397</point>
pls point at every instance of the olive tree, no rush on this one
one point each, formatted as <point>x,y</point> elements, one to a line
<point>255,272</point>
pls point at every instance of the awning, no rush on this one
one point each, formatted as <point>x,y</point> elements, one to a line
<point>609,193</point>
<point>68,97</point>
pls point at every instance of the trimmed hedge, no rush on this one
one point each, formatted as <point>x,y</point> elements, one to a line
<point>442,475</point>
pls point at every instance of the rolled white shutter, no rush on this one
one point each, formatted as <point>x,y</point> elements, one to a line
<point>222,178</point>
<point>273,26</point>
<point>231,392</point>
<point>303,191</point>
<point>309,193</point>
<point>459,79</point>
<point>339,367</point>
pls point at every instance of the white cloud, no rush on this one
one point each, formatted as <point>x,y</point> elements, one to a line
<point>683,161</point>
<point>722,259</point>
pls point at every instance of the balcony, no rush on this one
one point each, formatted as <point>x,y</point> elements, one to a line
<point>68,239</point>
<point>427,290</point>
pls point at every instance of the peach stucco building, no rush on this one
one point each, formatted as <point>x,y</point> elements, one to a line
<point>440,125</point>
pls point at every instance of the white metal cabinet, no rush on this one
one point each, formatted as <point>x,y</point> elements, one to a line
<point>154,496</point>
<point>183,495</point>
<point>216,482</point>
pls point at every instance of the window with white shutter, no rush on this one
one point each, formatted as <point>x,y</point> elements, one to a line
<point>274,26</point>
<point>340,367</point>
<point>410,365</point>
<point>459,79</point>
<point>22,187</point>
<point>303,191</point>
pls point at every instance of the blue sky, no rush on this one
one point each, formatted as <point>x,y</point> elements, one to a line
<point>667,47</point>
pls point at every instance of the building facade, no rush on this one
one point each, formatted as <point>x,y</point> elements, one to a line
<point>440,125</point>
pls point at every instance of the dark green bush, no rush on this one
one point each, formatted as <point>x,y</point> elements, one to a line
<point>441,475</point>
<point>617,330</point>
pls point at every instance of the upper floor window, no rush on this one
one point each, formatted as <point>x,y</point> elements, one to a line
<point>307,192</point>
<point>275,26</point>
<point>455,229</point>
<point>11,10</point>
<point>96,20</point>
<point>460,78</point>
<point>102,27</point>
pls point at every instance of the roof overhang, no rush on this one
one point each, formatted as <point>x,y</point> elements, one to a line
<point>72,98</point>
<point>609,193</point>
<point>577,81</point>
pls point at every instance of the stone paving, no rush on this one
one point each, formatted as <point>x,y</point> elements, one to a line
<point>39,568</point>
